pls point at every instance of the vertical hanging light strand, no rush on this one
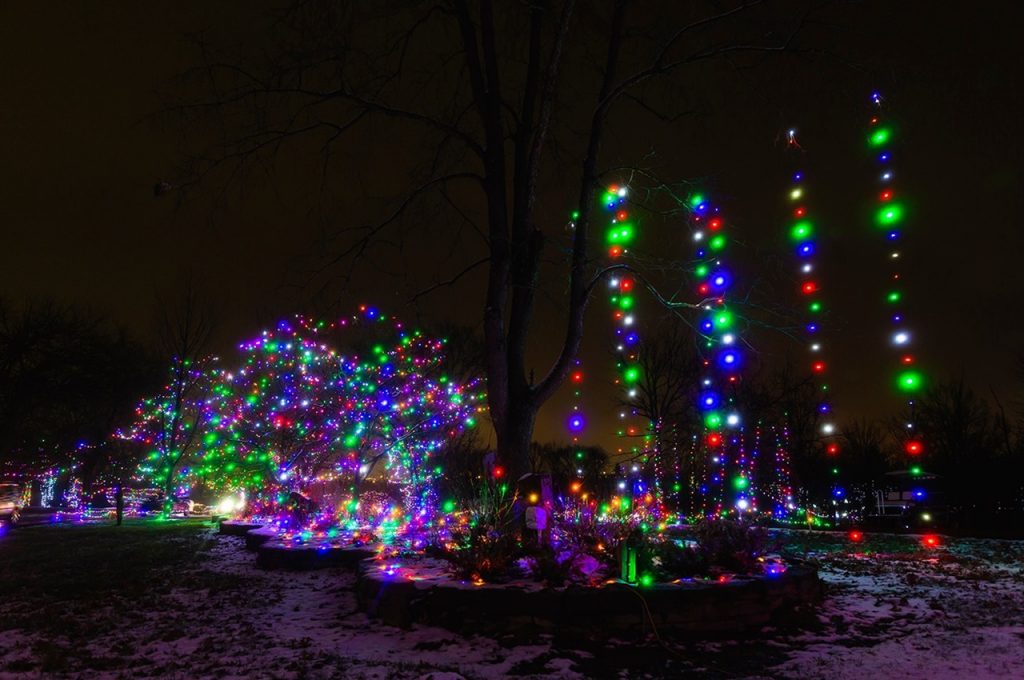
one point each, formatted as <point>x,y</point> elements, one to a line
<point>888,221</point>
<point>619,237</point>
<point>728,487</point>
<point>803,237</point>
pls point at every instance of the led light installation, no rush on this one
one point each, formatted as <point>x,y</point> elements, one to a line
<point>889,214</point>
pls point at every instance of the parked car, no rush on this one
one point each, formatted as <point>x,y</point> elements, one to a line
<point>12,499</point>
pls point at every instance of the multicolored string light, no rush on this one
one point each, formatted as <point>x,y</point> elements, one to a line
<point>889,215</point>
<point>318,408</point>
<point>728,487</point>
<point>622,288</point>
<point>803,237</point>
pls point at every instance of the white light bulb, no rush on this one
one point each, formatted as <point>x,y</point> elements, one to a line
<point>698,236</point>
<point>901,338</point>
<point>828,428</point>
<point>742,504</point>
<point>733,419</point>
<point>728,338</point>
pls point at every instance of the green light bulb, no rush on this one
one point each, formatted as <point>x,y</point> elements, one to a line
<point>889,214</point>
<point>909,381</point>
<point>801,231</point>
<point>880,136</point>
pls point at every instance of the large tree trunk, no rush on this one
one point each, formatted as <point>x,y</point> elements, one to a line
<point>514,442</point>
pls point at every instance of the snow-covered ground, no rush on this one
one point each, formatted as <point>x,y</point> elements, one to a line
<point>955,612</point>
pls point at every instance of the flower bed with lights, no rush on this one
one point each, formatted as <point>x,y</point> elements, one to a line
<point>424,590</point>
<point>237,527</point>
<point>301,551</point>
<point>588,576</point>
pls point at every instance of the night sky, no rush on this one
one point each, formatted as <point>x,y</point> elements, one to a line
<point>84,141</point>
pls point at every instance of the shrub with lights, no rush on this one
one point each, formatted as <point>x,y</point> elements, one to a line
<point>316,415</point>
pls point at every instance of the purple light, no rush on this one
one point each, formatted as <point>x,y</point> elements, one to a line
<point>576,423</point>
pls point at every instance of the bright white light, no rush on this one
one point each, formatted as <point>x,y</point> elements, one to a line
<point>707,381</point>
<point>815,347</point>
<point>698,235</point>
<point>828,428</point>
<point>635,468</point>
<point>742,504</point>
<point>886,176</point>
<point>622,192</point>
<point>613,283</point>
<point>632,393</point>
<point>732,419</point>
<point>901,338</point>
<point>796,193</point>
<point>622,485</point>
<point>728,338</point>
<point>628,321</point>
<point>231,505</point>
<point>363,469</point>
<point>895,255</point>
<point>807,268</point>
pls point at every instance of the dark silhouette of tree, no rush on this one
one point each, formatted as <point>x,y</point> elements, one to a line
<point>481,89</point>
<point>66,381</point>
<point>866,455</point>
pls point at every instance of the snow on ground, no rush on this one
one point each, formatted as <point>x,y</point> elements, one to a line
<point>906,612</point>
<point>949,613</point>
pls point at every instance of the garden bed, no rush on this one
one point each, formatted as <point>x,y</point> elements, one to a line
<point>254,538</point>
<point>421,592</point>
<point>233,527</point>
<point>281,553</point>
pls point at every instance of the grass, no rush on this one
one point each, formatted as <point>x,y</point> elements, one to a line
<point>67,585</point>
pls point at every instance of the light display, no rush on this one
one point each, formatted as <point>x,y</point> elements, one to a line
<point>622,288</point>
<point>171,424</point>
<point>727,487</point>
<point>803,238</point>
<point>889,214</point>
<point>301,418</point>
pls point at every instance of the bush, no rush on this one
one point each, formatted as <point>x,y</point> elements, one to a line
<point>731,546</point>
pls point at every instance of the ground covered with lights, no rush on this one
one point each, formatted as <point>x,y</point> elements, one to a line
<point>175,599</point>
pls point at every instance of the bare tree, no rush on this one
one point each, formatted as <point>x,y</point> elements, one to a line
<point>482,88</point>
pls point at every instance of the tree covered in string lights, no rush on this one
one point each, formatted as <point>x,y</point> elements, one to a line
<point>172,425</point>
<point>315,406</point>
